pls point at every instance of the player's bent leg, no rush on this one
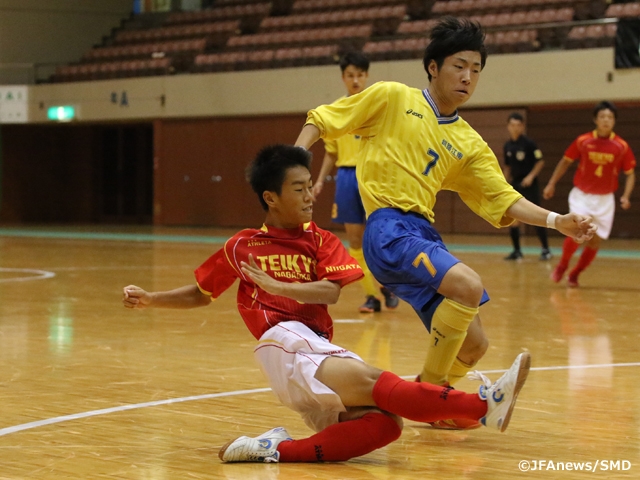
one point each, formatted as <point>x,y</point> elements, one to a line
<point>588,255</point>
<point>351,379</point>
<point>359,432</point>
<point>367,430</point>
<point>473,348</point>
<point>462,285</point>
<point>451,319</point>
<point>372,304</point>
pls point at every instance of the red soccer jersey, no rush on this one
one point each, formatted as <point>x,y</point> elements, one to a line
<point>305,254</point>
<point>601,160</point>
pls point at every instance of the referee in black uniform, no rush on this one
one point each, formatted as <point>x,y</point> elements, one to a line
<point>523,162</point>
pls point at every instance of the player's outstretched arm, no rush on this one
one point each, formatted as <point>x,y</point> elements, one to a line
<point>578,227</point>
<point>322,291</point>
<point>309,135</point>
<point>630,181</point>
<point>188,296</point>
<point>328,162</point>
<point>563,165</point>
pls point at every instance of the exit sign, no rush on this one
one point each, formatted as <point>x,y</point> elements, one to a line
<point>63,113</point>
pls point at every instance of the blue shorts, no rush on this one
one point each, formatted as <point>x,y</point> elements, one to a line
<point>347,207</point>
<point>407,255</point>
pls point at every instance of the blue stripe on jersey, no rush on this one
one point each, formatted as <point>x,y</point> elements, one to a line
<point>441,120</point>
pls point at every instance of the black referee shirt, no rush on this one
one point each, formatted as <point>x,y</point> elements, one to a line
<point>521,156</point>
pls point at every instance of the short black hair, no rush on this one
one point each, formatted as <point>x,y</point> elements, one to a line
<point>452,35</point>
<point>515,116</point>
<point>604,105</point>
<point>357,59</point>
<point>266,173</point>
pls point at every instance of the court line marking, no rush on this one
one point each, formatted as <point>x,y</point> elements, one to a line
<point>133,406</point>
<point>202,239</point>
<point>38,274</point>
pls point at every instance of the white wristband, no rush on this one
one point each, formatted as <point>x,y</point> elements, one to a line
<point>551,220</point>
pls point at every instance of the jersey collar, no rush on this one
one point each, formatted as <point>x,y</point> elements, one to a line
<point>442,120</point>
<point>611,136</point>
<point>285,232</point>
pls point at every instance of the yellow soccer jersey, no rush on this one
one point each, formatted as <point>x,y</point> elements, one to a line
<point>345,148</point>
<point>410,152</point>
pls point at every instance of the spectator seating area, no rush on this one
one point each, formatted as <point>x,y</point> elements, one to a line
<point>253,34</point>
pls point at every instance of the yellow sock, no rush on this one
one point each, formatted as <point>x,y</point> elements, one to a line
<point>458,371</point>
<point>448,330</point>
<point>368,282</point>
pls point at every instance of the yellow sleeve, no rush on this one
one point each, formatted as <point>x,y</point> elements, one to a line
<point>483,188</point>
<point>358,114</point>
<point>331,146</point>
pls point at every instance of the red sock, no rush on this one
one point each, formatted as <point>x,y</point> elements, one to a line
<point>588,254</point>
<point>425,402</point>
<point>342,441</point>
<point>569,247</point>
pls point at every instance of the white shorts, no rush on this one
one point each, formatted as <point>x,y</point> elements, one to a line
<point>289,354</point>
<point>599,207</point>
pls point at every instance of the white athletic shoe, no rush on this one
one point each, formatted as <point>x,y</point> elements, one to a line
<point>501,396</point>
<point>259,449</point>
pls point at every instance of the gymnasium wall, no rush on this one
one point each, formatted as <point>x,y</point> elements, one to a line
<point>568,77</point>
<point>53,31</point>
<point>207,127</point>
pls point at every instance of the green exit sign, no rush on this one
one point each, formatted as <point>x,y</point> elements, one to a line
<point>63,113</point>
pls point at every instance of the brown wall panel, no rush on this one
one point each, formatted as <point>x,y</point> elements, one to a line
<point>47,174</point>
<point>51,173</point>
<point>200,168</point>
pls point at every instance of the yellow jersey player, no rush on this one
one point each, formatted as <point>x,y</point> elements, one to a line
<point>347,207</point>
<point>415,144</point>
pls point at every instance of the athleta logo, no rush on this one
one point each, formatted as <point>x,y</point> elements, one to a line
<point>415,114</point>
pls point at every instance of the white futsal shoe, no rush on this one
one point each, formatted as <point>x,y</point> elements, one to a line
<point>262,448</point>
<point>501,396</point>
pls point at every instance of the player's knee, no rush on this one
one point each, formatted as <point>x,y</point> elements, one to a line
<point>398,421</point>
<point>472,288</point>
<point>461,284</point>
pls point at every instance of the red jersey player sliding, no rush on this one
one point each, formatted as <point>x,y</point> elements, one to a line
<point>601,156</point>
<point>289,271</point>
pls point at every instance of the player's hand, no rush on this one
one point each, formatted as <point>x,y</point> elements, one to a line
<point>625,204</point>
<point>579,227</point>
<point>526,181</point>
<point>259,277</point>
<point>549,191</point>
<point>317,188</point>
<point>135,297</point>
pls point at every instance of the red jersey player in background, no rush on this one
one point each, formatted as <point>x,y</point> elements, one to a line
<point>289,270</point>
<point>601,156</point>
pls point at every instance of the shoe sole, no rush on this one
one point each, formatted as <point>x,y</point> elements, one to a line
<point>444,426</point>
<point>224,449</point>
<point>367,310</point>
<point>523,373</point>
